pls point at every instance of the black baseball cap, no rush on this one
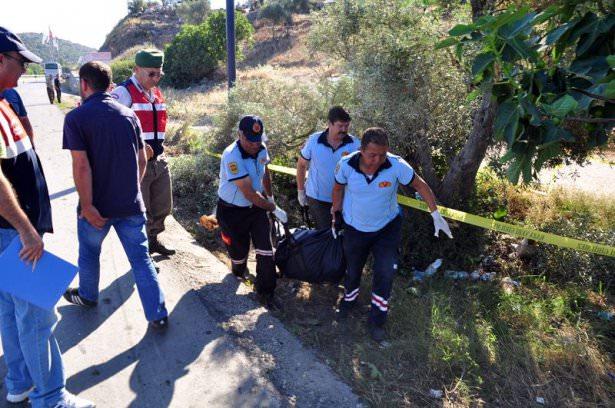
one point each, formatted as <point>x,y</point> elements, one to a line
<point>252,128</point>
<point>11,42</point>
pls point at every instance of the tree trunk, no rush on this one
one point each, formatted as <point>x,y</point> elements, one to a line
<point>458,183</point>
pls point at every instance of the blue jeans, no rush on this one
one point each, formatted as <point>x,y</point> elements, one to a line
<point>131,231</point>
<point>31,351</point>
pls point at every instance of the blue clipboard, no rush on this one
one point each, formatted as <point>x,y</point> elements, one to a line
<point>42,287</point>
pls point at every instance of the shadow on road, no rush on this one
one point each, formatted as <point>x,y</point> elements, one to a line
<point>161,359</point>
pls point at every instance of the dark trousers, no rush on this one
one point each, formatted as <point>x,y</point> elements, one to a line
<point>239,225</point>
<point>384,245</point>
<point>320,212</point>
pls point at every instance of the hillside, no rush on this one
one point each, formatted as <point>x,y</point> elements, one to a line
<point>158,27</point>
<point>69,51</point>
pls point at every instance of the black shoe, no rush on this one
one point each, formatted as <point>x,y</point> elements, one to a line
<point>377,333</point>
<point>270,301</point>
<point>161,324</point>
<point>344,309</point>
<point>240,271</point>
<point>72,296</point>
<point>156,246</point>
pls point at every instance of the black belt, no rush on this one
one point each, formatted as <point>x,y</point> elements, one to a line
<point>223,203</point>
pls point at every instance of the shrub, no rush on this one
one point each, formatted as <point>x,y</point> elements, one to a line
<point>122,69</point>
<point>193,11</point>
<point>197,49</point>
<point>123,64</point>
<point>401,84</point>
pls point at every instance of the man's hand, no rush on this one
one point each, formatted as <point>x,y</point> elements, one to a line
<point>280,214</point>
<point>271,199</point>
<point>302,198</point>
<point>91,214</point>
<point>440,224</point>
<point>32,244</point>
<point>149,152</point>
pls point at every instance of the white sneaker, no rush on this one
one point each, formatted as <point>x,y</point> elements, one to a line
<point>72,401</point>
<point>17,398</point>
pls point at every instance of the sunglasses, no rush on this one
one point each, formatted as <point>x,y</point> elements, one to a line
<point>155,74</point>
<point>20,61</point>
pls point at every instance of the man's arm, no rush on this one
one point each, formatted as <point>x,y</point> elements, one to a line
<point>425,191</point>
<point>82,174</point>
<point>302,166</point>
<point>10,211</point>
<point>142,163</point>
<point>267,183</point>
<point>338,197</point>
<point>245,186</point>
<point>25,122</point>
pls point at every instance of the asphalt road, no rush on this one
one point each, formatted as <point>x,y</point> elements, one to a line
<point>221,348</point>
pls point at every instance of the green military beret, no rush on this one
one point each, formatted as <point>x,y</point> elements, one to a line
<point>150,58</point>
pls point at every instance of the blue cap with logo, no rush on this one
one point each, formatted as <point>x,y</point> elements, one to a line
<point>11,42</point>
<point>252,128</point>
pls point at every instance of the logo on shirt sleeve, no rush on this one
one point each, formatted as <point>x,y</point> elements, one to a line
<point>384,184</point>
<point>233,168</point>
<point>345,154</point>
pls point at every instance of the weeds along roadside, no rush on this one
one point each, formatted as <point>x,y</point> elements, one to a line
<point>475,341</point>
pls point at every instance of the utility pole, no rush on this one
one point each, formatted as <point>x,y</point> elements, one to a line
<point>230,42</point>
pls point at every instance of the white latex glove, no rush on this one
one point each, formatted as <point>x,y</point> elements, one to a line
<point>302,198</point>
<point>280,214</point>
<point>440,224</point>
<point>271,199</point>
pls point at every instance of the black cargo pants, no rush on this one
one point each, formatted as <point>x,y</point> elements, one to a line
<point>239,225</point>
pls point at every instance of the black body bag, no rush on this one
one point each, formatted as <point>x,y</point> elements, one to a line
<point>310,255</point>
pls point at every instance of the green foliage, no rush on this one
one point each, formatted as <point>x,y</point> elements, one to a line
<point>551,76</point>
<point>400,83</point>
<point>277,13</point>
<point>291,111</point>
<point>122,69</point>
<point>35,69</point>
<point>197,49</point>
<point>136,6</point>
<point>193,11</point>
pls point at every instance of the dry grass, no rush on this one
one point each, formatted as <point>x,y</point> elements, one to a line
<point>482,344</point>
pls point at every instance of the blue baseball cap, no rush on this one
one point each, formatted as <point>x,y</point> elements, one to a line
<point>252,128</point>
<point>11,42</point>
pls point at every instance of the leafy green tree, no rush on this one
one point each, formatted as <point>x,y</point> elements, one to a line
<point>552,75</point>
<point>35,69</point>
<point>193,11</point>
<point>401,84</point>
<point>196,51</point>
<point>136,6</point>
<point>277,13</point>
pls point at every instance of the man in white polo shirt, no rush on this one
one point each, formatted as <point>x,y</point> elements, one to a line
<point>365,190</point>
<point>321,153</point>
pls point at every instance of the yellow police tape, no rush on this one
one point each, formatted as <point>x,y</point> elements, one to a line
<point>486,223</point>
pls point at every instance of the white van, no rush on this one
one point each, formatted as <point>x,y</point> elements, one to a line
<point>53,68</point>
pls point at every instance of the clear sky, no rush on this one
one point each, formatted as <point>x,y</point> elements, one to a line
<point>85,22</point>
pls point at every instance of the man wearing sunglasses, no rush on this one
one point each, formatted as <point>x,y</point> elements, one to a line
<point>141,93</point>
<point>31,352</point>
